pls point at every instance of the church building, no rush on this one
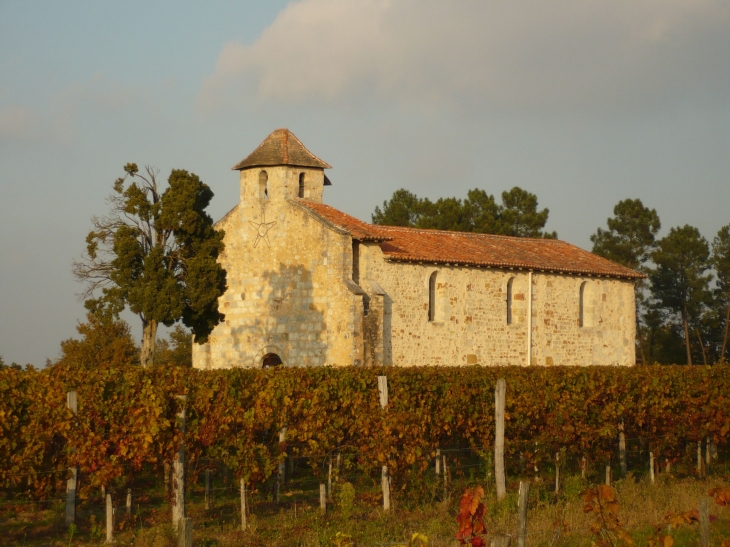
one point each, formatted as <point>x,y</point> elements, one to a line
<point>309,285</point>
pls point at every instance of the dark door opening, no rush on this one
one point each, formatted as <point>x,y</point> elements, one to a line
<point>271,360</point>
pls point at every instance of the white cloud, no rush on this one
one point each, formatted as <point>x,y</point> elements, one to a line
<point>479,54</point>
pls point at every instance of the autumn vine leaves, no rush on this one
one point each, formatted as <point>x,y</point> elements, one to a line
<point>126,417</point>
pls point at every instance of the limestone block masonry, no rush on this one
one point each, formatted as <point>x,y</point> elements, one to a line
<point>312,286</point>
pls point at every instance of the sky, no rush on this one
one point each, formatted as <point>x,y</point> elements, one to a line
<point>582,102</point>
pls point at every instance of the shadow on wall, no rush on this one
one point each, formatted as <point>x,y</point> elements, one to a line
<point>282,322</point>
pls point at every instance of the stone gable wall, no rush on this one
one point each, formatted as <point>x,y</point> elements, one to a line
<point>287,292</point>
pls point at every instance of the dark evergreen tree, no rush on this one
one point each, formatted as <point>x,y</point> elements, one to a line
<point>680,282</point>
<point>156,252</point>
<point>403,209</point>
<point>721,262</point>
<point>520,216</point>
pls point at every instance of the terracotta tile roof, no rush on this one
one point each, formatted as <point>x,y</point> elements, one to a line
<point>461,248</point>
<point>282,147</point>
<point>355,227</point>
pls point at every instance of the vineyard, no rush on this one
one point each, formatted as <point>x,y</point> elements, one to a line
<point>126,425</point>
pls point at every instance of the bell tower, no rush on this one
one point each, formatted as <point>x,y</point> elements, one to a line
<point>281,168</point>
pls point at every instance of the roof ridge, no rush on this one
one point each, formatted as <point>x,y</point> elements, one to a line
<point>467,234</point>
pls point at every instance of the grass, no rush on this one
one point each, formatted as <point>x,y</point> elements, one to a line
<point>296,520</point>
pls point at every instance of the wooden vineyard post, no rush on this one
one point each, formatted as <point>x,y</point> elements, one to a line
<point>185,532</point>
<point>500,541</point>
<point>438,462</point>
<point>622,449</point>
<point>701,470</point>
<point>557,472</point>
<point>244,520</point>
<point>522,515</point>
<point>280,477</point>
<point>323,498</point>
<point>178,471</point>
<point>704,522</point>
<point>608,475</point>
<point>651,466</point>
<point>207,489</point>
<point>667,466</point>
<point>329,480</point>
<point>72,482</point>
<point>129,502</point>
<point>109,519</point>
<point>166,467</point>
<point>446,479</point>
<point>499,397</point>
<point>384,477</point>
<point>583,464</point>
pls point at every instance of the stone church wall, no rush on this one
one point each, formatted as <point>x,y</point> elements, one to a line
<point>470,323</point>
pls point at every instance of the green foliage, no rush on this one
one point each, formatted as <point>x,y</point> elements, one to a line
<point>516,216</point>
<point>403,209</point>
<point>520,216</point>
<point>106,342</point>
<point>721,262</point>
<point>178,350</point>
<point>680,284</point>
<point>631,234</point>
<point>157,254</point>
<point>346,499</point>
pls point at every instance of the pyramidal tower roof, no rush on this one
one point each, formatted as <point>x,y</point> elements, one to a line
<point>282,147</point>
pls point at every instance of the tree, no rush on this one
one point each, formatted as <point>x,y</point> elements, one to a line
<point>403,209</point>
<point>484,212</point>
<point>480,213</point>
<point>105,341</point>
<point>178,351</point>
<point>520,216</point>
<point>629,240</point>
<point>631,235</point>
<point>679,283</point>
<point>721,262</point>
<point>156,253</point>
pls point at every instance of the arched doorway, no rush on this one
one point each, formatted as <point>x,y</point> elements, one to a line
<point>271,360</point>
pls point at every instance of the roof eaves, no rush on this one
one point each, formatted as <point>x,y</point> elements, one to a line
<point>401,257</point>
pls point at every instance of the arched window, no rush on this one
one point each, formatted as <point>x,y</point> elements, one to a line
<point>510,283</point>
<point>582,305</point>
<point>263,185</point>
<point>301,185</point>
<point>432,296</point>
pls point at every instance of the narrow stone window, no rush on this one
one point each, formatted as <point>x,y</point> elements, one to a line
<point>356,261</point>
<point>510,283</point>
<point>301,185</point>
<point>263,185</point>
<point>432,296</point>
<point>581,305</point>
